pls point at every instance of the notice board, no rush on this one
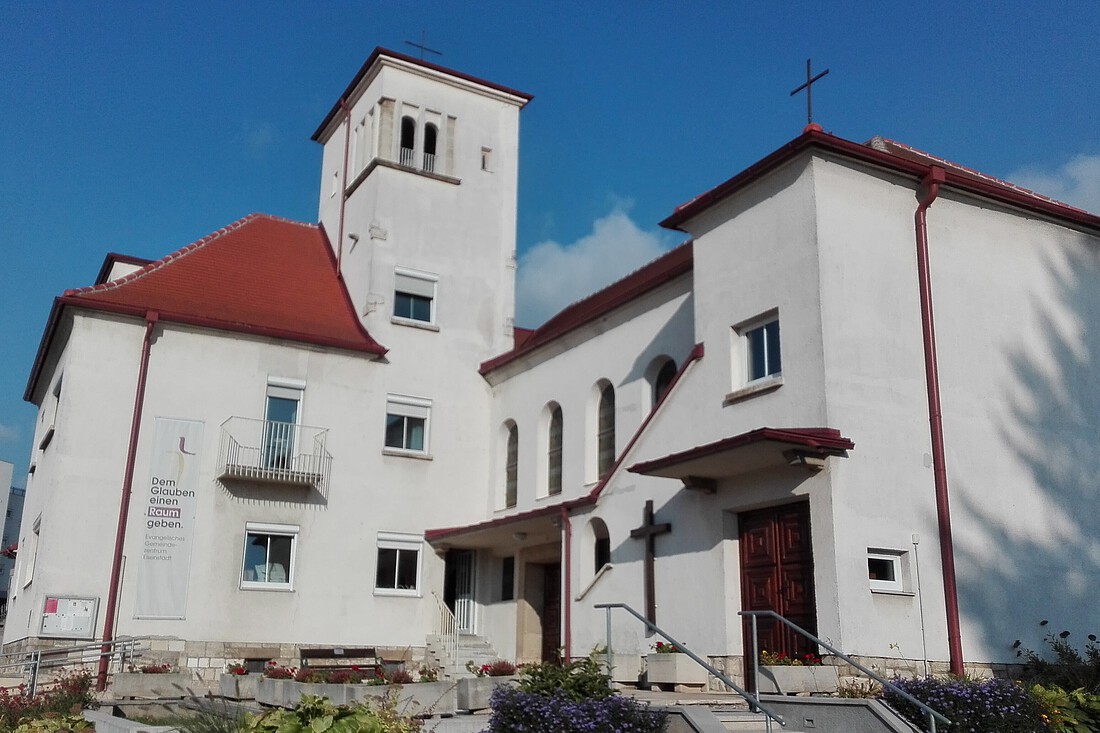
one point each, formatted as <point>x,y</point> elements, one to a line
<point>69,617</point>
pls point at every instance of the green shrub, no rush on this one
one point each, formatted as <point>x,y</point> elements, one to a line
<point>316,714</point>
<point>1077,711</point>
<point>582,679</point>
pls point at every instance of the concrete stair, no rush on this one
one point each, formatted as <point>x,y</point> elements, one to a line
<point>471,648</point>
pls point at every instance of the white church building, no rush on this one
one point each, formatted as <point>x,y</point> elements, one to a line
<point>860,394</point>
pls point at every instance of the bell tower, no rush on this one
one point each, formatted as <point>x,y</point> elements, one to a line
<point>418,198</point>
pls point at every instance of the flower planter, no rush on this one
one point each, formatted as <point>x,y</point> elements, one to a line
<point>794,680</point>
<point>677,672</point>
<point>473,693</point>
<point>239,686</point>
<point>136,684</point>
<point>625,668</point>
<point>417,698</point>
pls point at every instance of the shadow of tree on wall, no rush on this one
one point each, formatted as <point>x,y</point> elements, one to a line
<point>1045,562</point>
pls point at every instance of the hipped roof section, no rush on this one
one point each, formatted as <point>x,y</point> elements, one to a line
<point>380,52</point>
<point>889,155</point>
<point>261,275</point>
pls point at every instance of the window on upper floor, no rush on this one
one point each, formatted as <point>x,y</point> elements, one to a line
<point>605,431</point>
<point>398,569</point>
<point>756,356</point>
<point>407,424</point>
<point>660,374</point>
<point>431,135</point>
<point>269,556</point>
<point>414,295</point>
<point>554,451</point>
<point>511,466</point>
<point>762,351</point>
<point>281,422</point>
<point>408,142</point>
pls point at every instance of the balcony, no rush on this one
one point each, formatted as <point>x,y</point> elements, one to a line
<point>272,452</point>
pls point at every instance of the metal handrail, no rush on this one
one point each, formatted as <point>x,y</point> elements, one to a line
<point>933,715</point>
<point>754,701</point>
<point>447,628</point>
<point>32,661</point>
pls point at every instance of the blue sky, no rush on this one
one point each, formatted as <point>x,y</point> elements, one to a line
<point>140,127</point>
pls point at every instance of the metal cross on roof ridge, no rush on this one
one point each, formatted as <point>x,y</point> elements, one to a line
<point>808,86</point>
<point>422,47</point>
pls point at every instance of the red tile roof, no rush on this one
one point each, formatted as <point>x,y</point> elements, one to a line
<point>261,275</point>
<point>664,269</point>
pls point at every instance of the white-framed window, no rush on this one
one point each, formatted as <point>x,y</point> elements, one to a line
<point>269,551</point>
<point>408,420</point>
<point>414,296</point>
<point>511,465</point>
<point>605,431</point>
<point>31,552</point>
<point>282,418</point>
<point>487,159</point>
<point>398,567</point>
<point>888,570</point>
<point>762,354</point>
<point>554,451</point>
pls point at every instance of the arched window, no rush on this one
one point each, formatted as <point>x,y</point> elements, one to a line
<point>601,544</point>
<point>431,132</point>
<point>605,432</point>
<point>511,467</point>
<point>553,452</point>
<point>408,140</point>
<point>663,380</point>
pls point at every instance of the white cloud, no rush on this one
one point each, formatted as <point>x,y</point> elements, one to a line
<point>1077,182</point>
<point>553,275</point>
<point>8,434</point>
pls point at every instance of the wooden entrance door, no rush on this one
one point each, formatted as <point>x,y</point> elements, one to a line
<point>777,574</point>
<point>551,612</point>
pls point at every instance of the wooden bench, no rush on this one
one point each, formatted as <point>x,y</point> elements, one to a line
<point>365,658</point>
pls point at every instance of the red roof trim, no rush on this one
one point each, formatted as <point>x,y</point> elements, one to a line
<point>379,51</point>
<point>435,535</point>
<point>957,177</point>
<point>664,269</point>
<point>826,440</point>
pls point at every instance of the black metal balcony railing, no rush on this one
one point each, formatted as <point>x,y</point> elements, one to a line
<point>274,452</point>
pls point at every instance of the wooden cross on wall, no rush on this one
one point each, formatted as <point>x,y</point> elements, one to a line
<point>649,531</point>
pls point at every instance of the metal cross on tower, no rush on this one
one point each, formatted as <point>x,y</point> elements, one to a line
<point>423,48</point>
<point>649,531</point>
<point>808,86</point>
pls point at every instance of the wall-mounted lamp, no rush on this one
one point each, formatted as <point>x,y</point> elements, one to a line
<point>811,461</point>
<point>519,536</point>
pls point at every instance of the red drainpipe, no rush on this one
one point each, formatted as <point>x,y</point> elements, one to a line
<point>931,183</point>
<point>124,504</point>
<point>343,186</point>
<point>567,527</point>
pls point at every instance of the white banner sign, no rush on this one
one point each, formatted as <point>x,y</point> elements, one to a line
<point>168,519</point>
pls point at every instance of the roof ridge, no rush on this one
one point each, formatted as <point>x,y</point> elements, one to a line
<point>977,173</point>
<point>181,252</point>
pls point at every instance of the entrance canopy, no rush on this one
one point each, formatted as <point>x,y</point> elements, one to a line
<point>701,466</point>
<point>535,527</point>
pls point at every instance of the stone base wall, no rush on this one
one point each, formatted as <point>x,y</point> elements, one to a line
<point>208,659</point>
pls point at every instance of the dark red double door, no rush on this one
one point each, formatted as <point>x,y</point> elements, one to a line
<point>777,574</point>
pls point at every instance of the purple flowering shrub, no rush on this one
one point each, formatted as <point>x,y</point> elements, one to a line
<point>516,710</point>
<point>974,706</point>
